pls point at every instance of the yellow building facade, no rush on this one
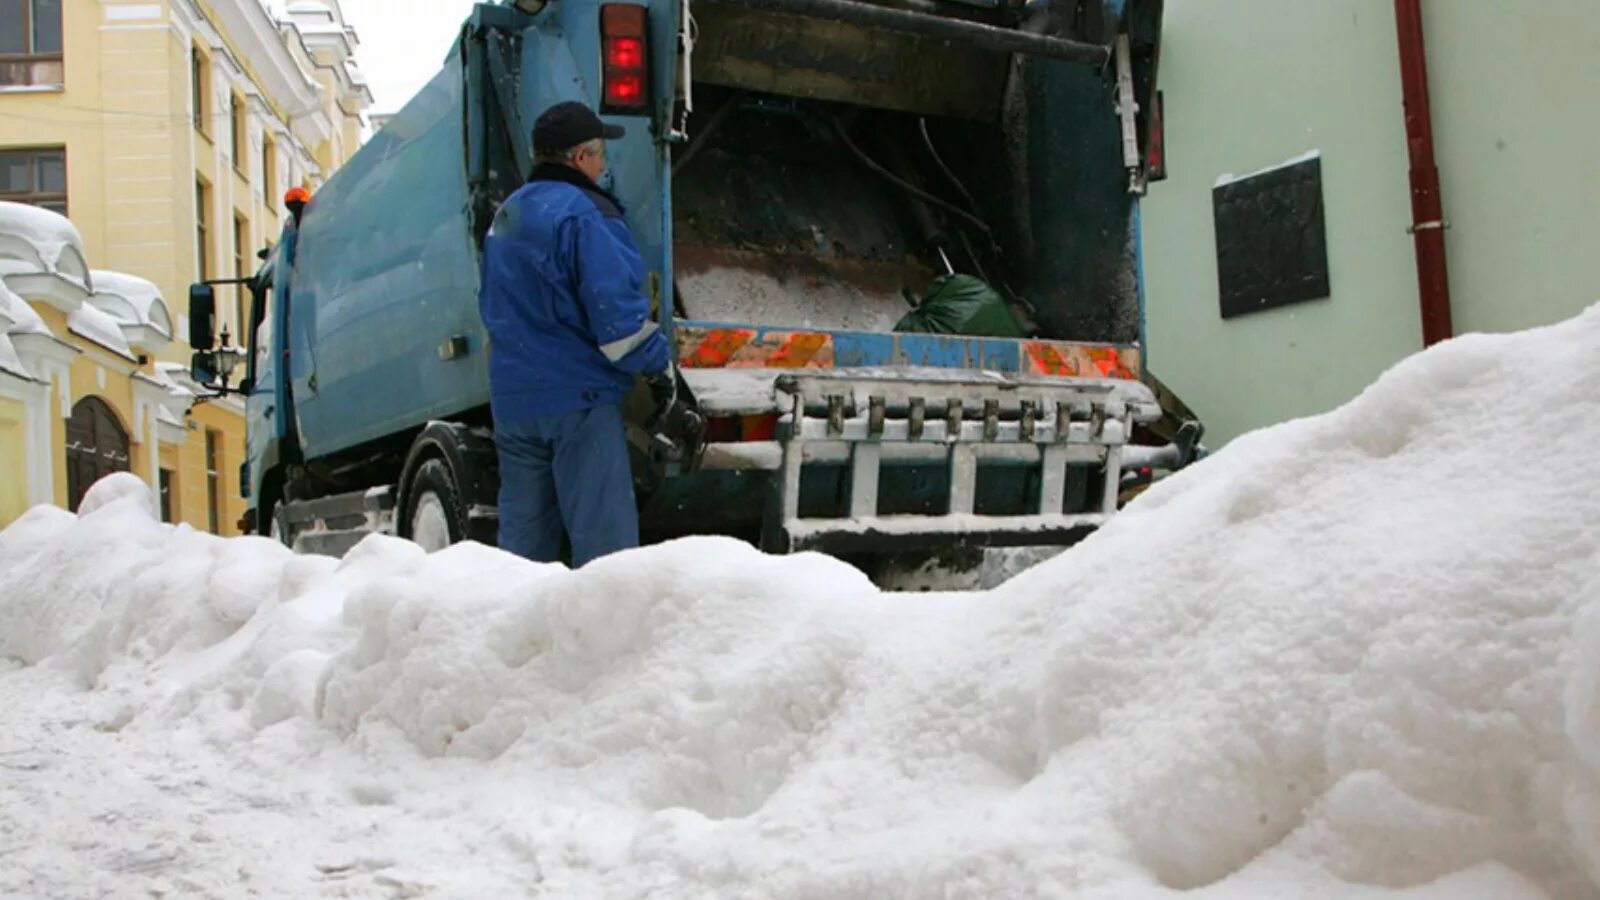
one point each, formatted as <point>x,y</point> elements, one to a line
<point>167,132</point>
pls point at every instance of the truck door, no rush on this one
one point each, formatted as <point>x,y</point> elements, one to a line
<point>266,403</point>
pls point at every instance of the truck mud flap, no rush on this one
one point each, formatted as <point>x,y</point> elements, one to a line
<point>965,420</point>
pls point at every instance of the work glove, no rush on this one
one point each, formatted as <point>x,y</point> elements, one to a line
<point>673,425</point>
<point>663,391</point>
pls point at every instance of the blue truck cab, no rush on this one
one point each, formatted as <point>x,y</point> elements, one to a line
<point>799,175</point>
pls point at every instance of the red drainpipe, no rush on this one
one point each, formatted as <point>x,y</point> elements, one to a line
<point>1427,210</point>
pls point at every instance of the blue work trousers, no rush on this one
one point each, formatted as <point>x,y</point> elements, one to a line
<point>566,473</point>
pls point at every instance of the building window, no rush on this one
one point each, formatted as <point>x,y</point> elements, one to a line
<point>202,203</point>
<point>38,177</point>
<point>241,269</point>
<point>30,42</point>
<point>200,89</point>
<point>213,481</point>
<point>269,171</point>
<point>241,135</point>
<point>168,479</point>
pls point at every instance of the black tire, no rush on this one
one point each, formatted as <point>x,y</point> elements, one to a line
<point>434,483</point>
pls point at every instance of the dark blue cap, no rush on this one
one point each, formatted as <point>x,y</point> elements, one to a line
<point>568,124</point>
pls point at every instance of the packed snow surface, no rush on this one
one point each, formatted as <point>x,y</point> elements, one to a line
<point>1356,655</point>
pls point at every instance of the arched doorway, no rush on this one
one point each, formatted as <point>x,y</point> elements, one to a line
<point>97,445</point>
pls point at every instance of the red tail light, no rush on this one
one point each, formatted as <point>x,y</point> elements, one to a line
<point>625,90</point>
<point>625,51</point>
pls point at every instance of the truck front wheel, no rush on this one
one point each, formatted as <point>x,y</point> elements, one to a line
<point>434,516</point>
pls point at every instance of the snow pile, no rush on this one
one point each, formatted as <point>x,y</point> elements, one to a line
<point>1353,656</point>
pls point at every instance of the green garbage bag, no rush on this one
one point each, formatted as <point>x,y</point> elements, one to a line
<point>962,304</point>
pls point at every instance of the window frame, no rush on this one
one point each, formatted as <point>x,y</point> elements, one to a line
<point>167,483</point>
<point>239,123</point>
<point>202,208</point>
<point>269,167</point>
<point>28,61</point>
<point>241,266</point>
<point>37,196</point>
<point>214,480</point>
<point>200,89</point>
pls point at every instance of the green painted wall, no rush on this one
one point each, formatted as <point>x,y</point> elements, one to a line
<point>1516,110</point>
<point>1250,83</point>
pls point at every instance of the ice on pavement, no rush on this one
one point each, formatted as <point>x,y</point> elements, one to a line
<point>1356,655</point>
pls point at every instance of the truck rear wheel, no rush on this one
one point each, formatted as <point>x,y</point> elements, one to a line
<point>434,517</point>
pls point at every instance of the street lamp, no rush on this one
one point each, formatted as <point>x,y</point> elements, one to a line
<point>228,357</point>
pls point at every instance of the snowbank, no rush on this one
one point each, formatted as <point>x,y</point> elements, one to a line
<point>1353,656</point>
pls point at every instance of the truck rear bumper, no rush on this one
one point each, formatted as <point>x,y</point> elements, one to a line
<point>768,455</point>
<point>960,421</point>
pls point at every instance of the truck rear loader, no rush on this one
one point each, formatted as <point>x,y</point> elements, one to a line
<point>894,245</point>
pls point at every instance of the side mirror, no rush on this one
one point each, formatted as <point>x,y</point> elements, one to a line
<point>201,370</point>
<point>202,315</point>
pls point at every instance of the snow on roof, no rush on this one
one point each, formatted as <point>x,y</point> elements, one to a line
<point>1355,656</point>
<point>180,377</point>
<point>18,319</point>
<point>316,10</point>
<point>137,307</point>
<point>21,318</point>
<point>23,327</point>
<point>47,242</point>
<point>9,360</point>
<point>166,416</point>
<point>317,17</point>
<point>176,400</point>
<point>181,396</point>
<point>94,325</point>
<point>137,296</point>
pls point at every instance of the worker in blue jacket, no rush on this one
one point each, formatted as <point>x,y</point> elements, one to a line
<point>569,327</point>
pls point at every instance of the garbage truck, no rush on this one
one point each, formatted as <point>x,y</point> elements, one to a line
<point>894,246</point>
